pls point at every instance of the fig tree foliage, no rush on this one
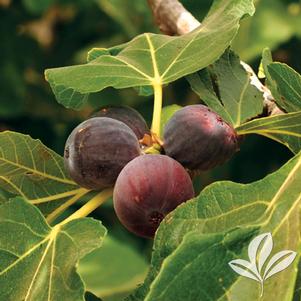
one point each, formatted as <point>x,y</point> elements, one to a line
<point>44,245</point>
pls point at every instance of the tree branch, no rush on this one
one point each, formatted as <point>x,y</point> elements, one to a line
<point>174,19</point>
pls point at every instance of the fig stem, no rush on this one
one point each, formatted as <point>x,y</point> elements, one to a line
<point>58,211</point>
<point>90,206</point>
<point>155,149</point>
<point>156,123</point>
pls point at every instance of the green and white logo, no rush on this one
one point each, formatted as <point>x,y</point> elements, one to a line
<point>258,267</point>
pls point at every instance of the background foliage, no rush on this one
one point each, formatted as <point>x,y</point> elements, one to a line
<point>37,35</point>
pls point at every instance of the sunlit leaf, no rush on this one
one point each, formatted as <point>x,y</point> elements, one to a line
<point>199,258</point>
<point>39,262</point>
<point>285,129</point>
<point>151,59</point>
<point>33,171</point>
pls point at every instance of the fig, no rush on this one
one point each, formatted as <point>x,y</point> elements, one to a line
<point>147,189</point>
<point>199,138</point>
<point>97,150</point>
<point>127,115</point>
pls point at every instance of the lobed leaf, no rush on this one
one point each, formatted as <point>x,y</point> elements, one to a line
<point>42,260</point>
<point>193,271</point>
<point>285,129</point>
<point>33,171</point>
<point>151,59</point>
<point>226,87</point>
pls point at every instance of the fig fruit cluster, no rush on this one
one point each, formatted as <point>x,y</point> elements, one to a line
<point>107,150</point>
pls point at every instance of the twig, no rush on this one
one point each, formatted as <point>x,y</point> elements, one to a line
<point>174,19</point>
<point>268,100</point>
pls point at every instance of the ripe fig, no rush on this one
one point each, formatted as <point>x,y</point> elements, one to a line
<point>97,150</point>
<point>127,115</point>
<point>199,139</point>
<point>147,189</point>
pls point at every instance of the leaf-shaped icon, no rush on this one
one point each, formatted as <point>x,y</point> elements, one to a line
<point>245,268</point>
<point>285,258</point>
<point>261,246</point>
<point>265,251</point>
